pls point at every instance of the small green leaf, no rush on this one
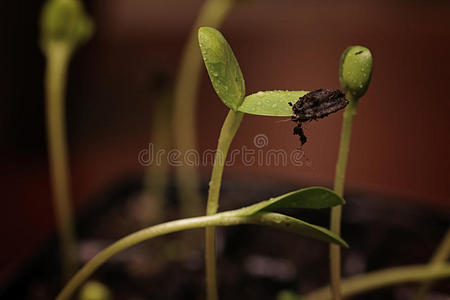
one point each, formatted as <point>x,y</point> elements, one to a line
<point>355,70</point>
<point>311,198</point>
<point>300,227</point>
<point>271,103</point>
<point>223,68</point>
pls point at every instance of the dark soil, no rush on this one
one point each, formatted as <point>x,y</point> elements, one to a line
<point>254,262</point>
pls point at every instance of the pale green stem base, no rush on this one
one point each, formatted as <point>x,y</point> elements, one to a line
<point>221,219</point>
<point>212,14</point>
<point>227,133</point>
<point>344,148</point>
<point>388,277</point>
<point>439,257</point>
<point>58,55</point>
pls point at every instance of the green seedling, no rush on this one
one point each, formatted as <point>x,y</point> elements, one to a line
<point>64,27</point>
<point>355,73</point>
<point>213,13</point>
<point>262,213</point>
<point>228,82</point>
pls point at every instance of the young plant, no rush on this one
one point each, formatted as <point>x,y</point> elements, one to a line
<point>355,73</point>
<point>212,13</point>
<point>228,82</point>
<point>262,213</point>
<point>64,27</point>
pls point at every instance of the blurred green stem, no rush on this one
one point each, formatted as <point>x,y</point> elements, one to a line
<point>339,182</point>
<point>388,277</point>
<point>58,55</point>
<point>157,174</point>
<point>439,257</point>
<point>229,129</point>
<point>212,14</point>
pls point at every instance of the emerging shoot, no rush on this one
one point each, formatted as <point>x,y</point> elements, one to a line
<point>355,73</point>
<point>64,27</point>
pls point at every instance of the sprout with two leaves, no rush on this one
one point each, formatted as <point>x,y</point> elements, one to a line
<point>228,82</point>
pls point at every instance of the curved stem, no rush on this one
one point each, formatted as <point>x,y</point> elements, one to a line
<point>227,133</point>
<point>222,219</point>
<point>439,257</point>
<point>58,55</point>
<point>212,14</point>
<point>341,165</point>
<point>370,281</point>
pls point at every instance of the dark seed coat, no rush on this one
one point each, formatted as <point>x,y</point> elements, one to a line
<point>316,105</point>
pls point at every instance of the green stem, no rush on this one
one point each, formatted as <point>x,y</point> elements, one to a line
<point>58,55</point>
<point>229,218</point>
<point>441,255</point>
<point>227,133</point>
<point>388,277</point>
<point>339,181</point>
<point>157,174</point>
<point>212,14</point>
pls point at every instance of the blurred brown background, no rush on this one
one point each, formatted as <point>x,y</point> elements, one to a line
<point>400,144</point>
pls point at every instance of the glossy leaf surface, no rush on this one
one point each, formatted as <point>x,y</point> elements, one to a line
<point>271,103</point>
<point>223,68</point>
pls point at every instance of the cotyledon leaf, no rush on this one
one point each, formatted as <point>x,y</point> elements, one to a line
<point>223,68</point>
<point>271,103</point>
<point>299,227</point>
<point>311,198</point>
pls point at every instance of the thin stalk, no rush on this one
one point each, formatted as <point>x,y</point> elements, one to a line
<point>441,255</point>
<point>388,277</point>
<point>222,219</point>
<point>339,181</point>
<point>227,133</point>
<point>212,14</point>
<point>157,174</point>
<point>58,55</point>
